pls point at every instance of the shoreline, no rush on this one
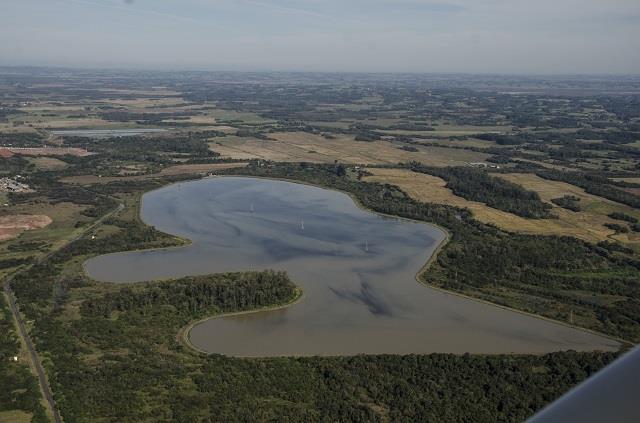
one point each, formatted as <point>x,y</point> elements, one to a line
<point>184,332</point>
<point>183,337</point>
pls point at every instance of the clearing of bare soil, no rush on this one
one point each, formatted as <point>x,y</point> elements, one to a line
<point>5,153</point>
<point>13,225</point>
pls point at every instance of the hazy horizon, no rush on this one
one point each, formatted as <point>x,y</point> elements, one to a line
<point>378,36</point>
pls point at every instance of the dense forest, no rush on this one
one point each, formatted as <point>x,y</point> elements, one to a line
<point>153,152</point>
<point>199,295</point>
<point>477,185</point>
<point>19,389</point>
<point>121,348</point>
<point>569,202</point>
<point>131,236</point>
<point>104,344</point>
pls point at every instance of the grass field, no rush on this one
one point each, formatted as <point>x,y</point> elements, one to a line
<point>64,217</point>
<point>47,163</point>
<point>594,209</point>
<point>184,169</point>
<point>586,225</point>
<point>15,416</point>
<point>302,146</point>
<point>630,180</point>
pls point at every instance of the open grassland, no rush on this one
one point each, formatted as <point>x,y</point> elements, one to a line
<point>72,123</point>
<point>15,416</point>
<point>586,225</point>
<point>594,209</point>
<point>184,169</point>
<point>47,163</point>
<point>64,217</point>
<point>302,146</point>
<point>630,180</point>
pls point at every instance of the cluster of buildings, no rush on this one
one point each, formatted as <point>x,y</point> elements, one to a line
<point>484,165</point>
<point>13,185</point>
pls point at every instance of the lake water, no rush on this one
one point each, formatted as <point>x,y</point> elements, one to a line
<point>356,268</point>
<point>106,133</point>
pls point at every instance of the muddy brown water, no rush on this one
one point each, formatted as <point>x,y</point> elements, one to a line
<point>357,270</point>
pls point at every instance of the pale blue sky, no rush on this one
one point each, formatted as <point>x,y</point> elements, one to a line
<point>498,36</point>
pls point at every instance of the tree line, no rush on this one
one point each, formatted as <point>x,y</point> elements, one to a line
<point>477,185</point>
<point>538,274</point>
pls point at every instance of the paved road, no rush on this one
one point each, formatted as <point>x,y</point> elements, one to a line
<point>35,359</point>
<point>22,329</point>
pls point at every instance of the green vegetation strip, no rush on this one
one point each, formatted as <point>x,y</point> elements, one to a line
<point>20,390</point>
<point>106,344</point>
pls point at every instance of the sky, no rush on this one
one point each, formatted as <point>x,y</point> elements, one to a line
<point>468,36</point>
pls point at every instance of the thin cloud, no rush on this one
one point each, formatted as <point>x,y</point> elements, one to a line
<point>287,9</point>
<point>302,12</point>
<point>134,10</point>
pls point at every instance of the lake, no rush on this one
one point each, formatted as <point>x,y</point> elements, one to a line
<point>106,133</point>
<point>356,268</point>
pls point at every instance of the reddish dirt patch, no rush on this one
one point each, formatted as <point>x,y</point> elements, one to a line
<point>5,153</point>
<point>51,151</point>
<point>13,225</point>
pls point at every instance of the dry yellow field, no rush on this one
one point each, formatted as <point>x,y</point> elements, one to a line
<point>198,168</point>
<point>15,416</point>
<point>302,146</point>
<point>586,225</point>
<point>594,209</point>
<point>630,180</point>
<point>184,169</point>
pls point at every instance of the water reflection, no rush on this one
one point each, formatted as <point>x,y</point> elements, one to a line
<point>356,269</point>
